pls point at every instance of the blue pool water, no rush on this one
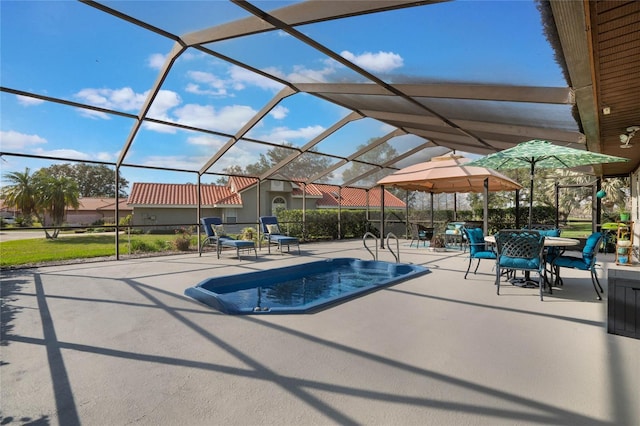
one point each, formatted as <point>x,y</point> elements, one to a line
<point>301,288</point>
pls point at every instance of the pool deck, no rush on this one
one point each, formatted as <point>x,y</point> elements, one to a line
<point>117,342</point>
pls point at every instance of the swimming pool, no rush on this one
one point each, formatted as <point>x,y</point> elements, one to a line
<point>301,288</point>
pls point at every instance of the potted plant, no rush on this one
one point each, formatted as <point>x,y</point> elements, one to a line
<point>625,215</point>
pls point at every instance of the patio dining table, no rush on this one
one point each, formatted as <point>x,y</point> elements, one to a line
<point>548,242</point>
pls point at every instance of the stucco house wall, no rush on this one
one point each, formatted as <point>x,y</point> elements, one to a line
<point>158,205</point>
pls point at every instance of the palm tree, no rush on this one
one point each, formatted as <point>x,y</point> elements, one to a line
<point>21,193</point>
<point>56,194</point>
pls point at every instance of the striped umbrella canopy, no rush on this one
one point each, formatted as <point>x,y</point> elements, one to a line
<point>541,153</point>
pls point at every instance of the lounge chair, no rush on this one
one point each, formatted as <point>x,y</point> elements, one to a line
<point>217,237</point>
<point>272,233</point>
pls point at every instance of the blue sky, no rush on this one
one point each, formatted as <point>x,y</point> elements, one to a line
<point>72,51</point>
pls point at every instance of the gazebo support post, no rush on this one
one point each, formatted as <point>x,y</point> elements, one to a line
<point>431,193</point>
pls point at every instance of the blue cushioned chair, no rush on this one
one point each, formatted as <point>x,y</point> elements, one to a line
<point>477,248</point>
<point>585,263</point>
<point>550,252</point>
<point>520,250</point>
<point>271,232</point>
<point>213,228</point>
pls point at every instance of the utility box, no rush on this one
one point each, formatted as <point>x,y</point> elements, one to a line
<point>624,301</point>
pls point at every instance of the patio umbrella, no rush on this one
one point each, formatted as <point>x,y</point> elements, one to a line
<point>541,153</point>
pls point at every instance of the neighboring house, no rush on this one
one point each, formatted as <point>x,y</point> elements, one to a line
<point>237,202</point>
<point>92,210</point>
<point>89,211</point>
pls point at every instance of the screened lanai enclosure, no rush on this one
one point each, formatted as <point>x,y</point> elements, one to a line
<point>317,92</point>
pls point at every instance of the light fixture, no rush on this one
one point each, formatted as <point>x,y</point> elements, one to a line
<point>625,138</point>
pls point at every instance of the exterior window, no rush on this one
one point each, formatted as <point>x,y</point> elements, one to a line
<point>278,203</point>
<point>231,216</point>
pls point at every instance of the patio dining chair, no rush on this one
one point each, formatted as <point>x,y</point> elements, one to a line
<point>587,262</point>
<point>420,233</point>
<point>550,253</point>
<point>478,248</point>
<point>520,250</point>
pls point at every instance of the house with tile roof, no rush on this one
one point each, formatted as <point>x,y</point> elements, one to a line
<point>90,210</point>
<point>163,204</point>
<point>95,209</point>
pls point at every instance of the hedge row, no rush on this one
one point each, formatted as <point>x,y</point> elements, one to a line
<point>323,224</point>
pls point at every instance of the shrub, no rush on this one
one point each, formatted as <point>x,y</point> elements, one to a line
<point>126,221</point>
<point>139,246</point>
<point>183,240</point>
<point>248,233</point>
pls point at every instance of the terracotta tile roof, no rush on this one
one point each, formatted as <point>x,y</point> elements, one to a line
<point>171,194</point>
<point>310,189</point>
<point>356,197</point>
<point>240,183</point>
<point>96,203</point>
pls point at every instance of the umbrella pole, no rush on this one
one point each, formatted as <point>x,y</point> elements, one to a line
<point>531,194</point>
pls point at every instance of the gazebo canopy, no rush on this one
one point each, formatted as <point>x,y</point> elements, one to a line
<point>448,174</point>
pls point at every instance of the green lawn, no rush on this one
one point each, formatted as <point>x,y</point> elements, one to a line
<point>576,230</point>
<point>36,250</point>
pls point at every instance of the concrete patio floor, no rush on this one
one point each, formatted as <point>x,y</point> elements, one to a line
<point>117,342</point>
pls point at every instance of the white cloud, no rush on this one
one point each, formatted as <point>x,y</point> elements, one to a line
<point>123,99</point>
<point>16,140</point>
<point>216,86</point>
<point>65,153</point>
<point>376,62</point>
<point>206,141</point>
<point>301,74</point>
<point>163,102</point>
<point>228,119</point>
<point>106,156</point>
<point>27,101</point>
<point>156,61</point>
<point>196,89</point>
<point>242,77</point>
<point>175,161</point>
<point>285,134</point>
<point>279,112</point>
